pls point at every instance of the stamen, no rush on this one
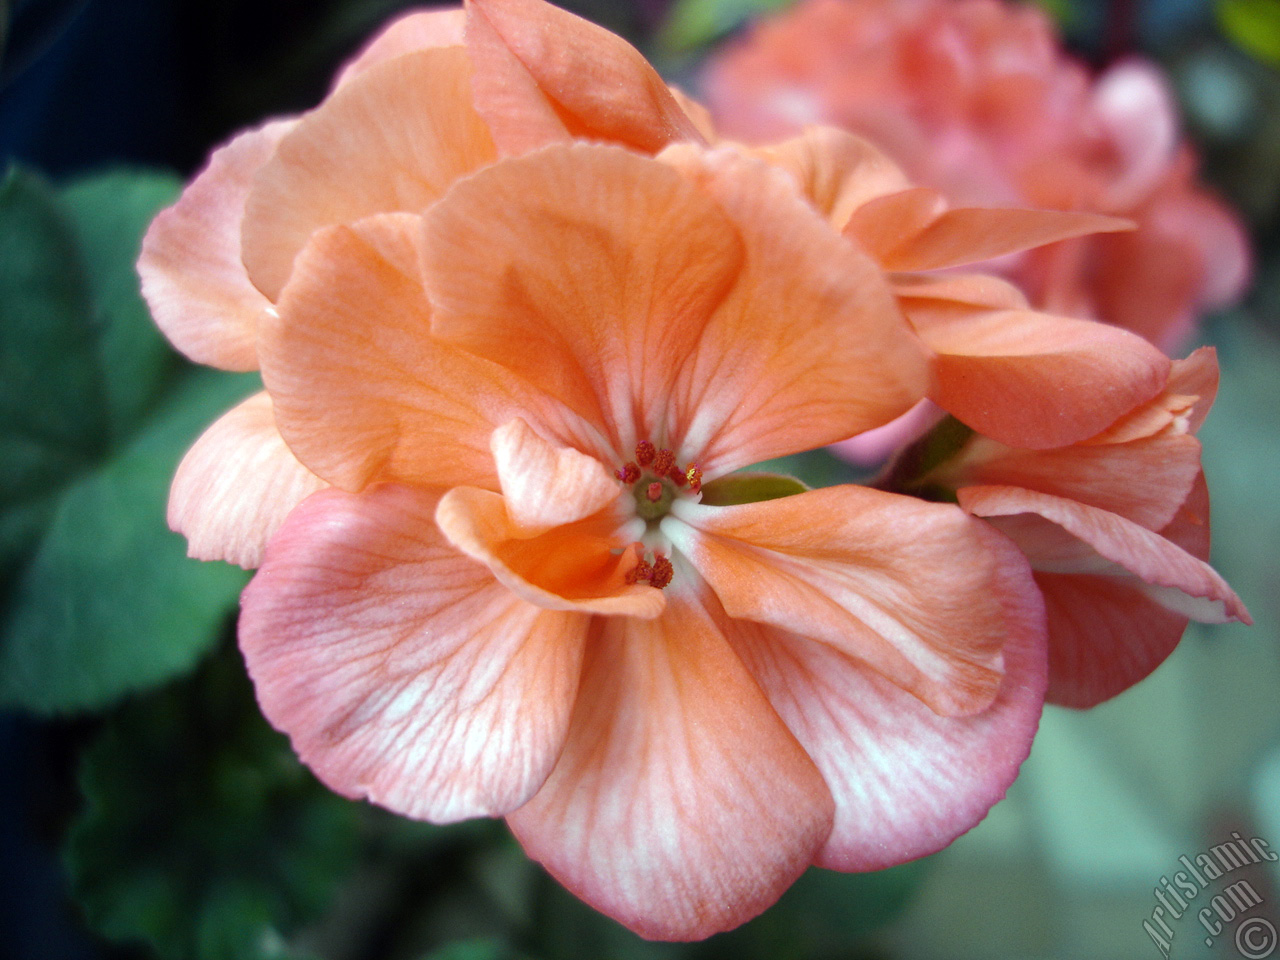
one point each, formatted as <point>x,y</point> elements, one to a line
<point>645,452</point>
<point>654,492</point>
<point>642,572</point>
<point>661,573</point>
<point>694,475</point>
<point>630,473</point>
<point>663,462</point>
<point>677,477</point>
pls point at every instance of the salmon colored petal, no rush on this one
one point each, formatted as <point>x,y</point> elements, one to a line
<point>972,234</point>
<point>544,485</point>
<point>1032,380</point>
<point>911,589</point>
<point>698,115</point>
<point>836,171</point>
<point>236,485</point>
<point>192,275</point>
<point>906,781</point>
<point>920,290</point>
<point>808,348</point>
<point>392,139</point>
<point>363,392</point>
<point>401,670</point>
<point>681,805</point>
<point>1145,480</point>
<point>578,566</point>
<point>880,225</point>
<point>1104,636</point>
<point>1182,405</point>
<point>541,70</point>
<point>1061,536</point>
<point>419,30</point>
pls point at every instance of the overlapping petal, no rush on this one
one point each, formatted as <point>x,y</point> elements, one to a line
<point>681,805</point>
<point>401,670</point>
<point>543,75</point>
<point>192,275</point>
<point>236,485</point>
<point>414,31</point>
<point>363,391</point>
<point>392,139</point>
<point>911,589</point>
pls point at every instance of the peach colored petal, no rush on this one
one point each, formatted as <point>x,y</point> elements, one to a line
<point>545,485</point>
<point>906,781</point>
<point>541,70</point>
<point>961,289</point>
<point>1145,480</point>
<point>363,391</point>
<point>971,234</point>
<point>587,269</point>
<point>1181,406</point>
<point>1036,381</point>
<point>836,171</point>
<point>1104,636</point>
<point>192,276</point>
<point>808,348</point>
<point>884,223</point>
<point>401,670</point>
<point>414,31</point>
<point>911,589</point>
<point>391,139</point>
<point>698,115</point>
<point>1061,536</point>
<point>236,485</point>
<point>578,566</point>
<point>681,806</point>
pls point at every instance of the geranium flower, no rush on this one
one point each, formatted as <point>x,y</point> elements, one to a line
<point>977,99</point>
<point>509,568</point>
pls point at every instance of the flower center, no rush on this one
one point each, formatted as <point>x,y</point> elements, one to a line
<point>655,482</point>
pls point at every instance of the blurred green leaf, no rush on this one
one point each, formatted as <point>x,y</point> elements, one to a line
<point>201,833</point>
<point>109,213</point>
<point>97,598</point>
<point>749,487</point>
<point>478,949</point>
<point>692,24</point>
<point>109,603</point>
<point>1254,26</point>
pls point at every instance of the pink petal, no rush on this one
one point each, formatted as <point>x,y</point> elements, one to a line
<point>192,276</point>
<point>1035,381</point>
<point>578,566</point>
<point>906,781</point>
<point>681,806</point>
<point>416,30</point>
<point>913,590</point>
<point>543,74</point>
<point>392,139</point>
<point>401,670</point>
<point>1136,109</point>
<point>1061,536</point>
<point>236,485</point>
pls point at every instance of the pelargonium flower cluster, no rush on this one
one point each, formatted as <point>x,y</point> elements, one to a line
<point>522,321</point>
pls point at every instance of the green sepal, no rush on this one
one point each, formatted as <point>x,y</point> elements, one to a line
<point>750,487</point>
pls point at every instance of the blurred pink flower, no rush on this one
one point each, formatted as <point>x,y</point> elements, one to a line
<point>977,99</point>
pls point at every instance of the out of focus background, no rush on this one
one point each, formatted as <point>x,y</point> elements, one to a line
<point>147,810</point>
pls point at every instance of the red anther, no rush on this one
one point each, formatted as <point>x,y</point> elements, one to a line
<point>654,492</point>
<point>641,573</point>
<point>663,462</point>
<point>676,477</point>
<point>630,473</point>
<point>645,452</point>
<point>694,476</point>
<point>662,572</point>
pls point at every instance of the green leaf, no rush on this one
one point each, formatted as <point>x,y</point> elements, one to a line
<point>1254,25</point>
<point>695,23</point>
<point>201,833</point>
<point>109,213</point>
<point>109,603</point>
<point>750,487</point>
<point>52,420</point>
<point>476,949</point>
